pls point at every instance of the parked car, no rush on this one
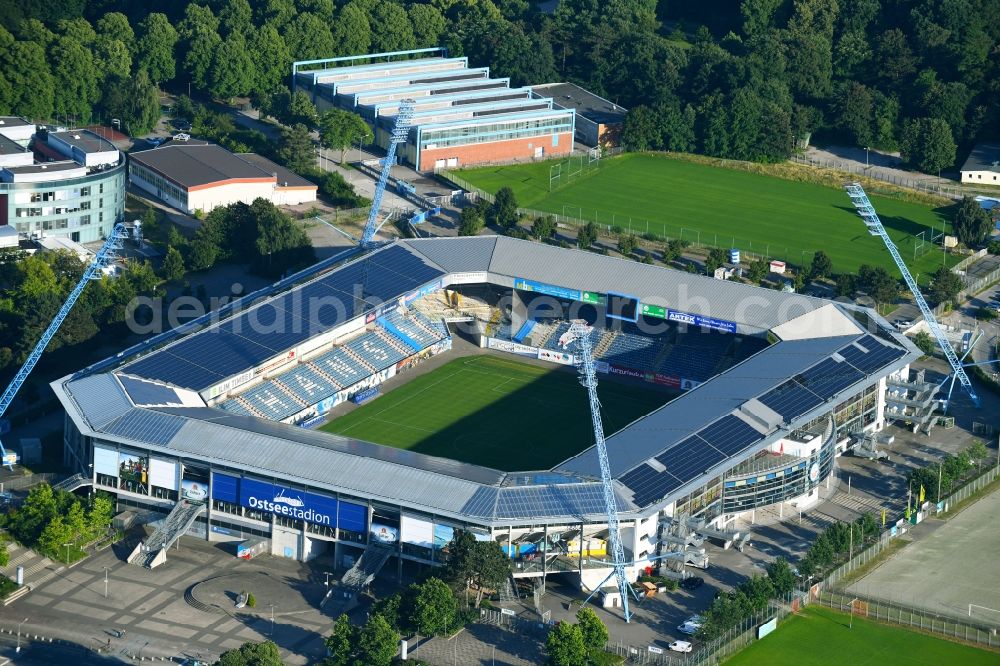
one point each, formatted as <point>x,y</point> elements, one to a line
<point>182,124</point>
<point>903,324</point>
<point>692,583</point>
<point>155,140</point>
<point>680,646</point>
<point>691,625</point>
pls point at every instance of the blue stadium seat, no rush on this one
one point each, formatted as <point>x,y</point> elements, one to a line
<point>416,332</point>
<point>633,351</point>
<point>235,407</point>
<point>375,350</point>
<point>271,401</point>
<point>308,384</point>
<point>339,365</point>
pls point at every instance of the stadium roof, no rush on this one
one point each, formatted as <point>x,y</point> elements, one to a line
<point>153,400</point>
<point>194,165</point>
<point>585,103</point>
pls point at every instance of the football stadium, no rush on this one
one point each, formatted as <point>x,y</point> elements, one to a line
<point>368,408</point>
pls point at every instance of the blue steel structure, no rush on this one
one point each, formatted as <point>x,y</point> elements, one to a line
<point>875,228</point>
<point>105,256</point>
<point>588,377</point>
<point>399,133</point>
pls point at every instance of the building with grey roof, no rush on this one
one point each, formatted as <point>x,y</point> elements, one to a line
<point>463,115</point>
<point>982,167</point>
<point>203,410</point>
<point>598,121</point>
<point>196,175</point>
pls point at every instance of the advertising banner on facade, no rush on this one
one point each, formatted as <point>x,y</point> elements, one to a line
<point>555,357</point>
<point>660,312</point>
<point>467,278</point>
<point>443,535</point>
<point>666,380</point>
<point>602,367</point>
<point>105,461</point>
<point>547,289</point>
<point>626,372</point>
<point>423,291</point>
<point>133,473</point>
<point>295,504</point>
<point>688,384</point>
<point>194,491</point>
<point>229,384</point>
<point>384,533</point>
<point>511,347</point>
<point>416,531</point>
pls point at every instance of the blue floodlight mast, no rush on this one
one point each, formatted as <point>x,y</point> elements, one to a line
<point>875,228</point>
<point>105,257</point>
<point>400,131</point>
<point>588,377</point>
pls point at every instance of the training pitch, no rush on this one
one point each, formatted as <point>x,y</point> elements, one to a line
<point>819,636</point>
<point>495,412</point>
<point>782,219</point>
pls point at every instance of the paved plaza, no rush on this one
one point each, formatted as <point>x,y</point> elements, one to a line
<point>158,620</point>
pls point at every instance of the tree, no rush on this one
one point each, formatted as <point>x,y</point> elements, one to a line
<point>340,644</point>
<point>173,265</point>
<point>198,34</point>
<point>308,37</point>
<point>296,149</point>
<point>503,212</point>
<point>627,244</point>
<point>156,47</point>
<point>377,642</point>
<point>641,130</point>
<point>32,87</point>
<point>877,283</point>
<point>479,563</point>
<point>270,56</point>
<point>781,576</point>
<point>673,249</point>
<point>280,244</point>
<point>595,634</point>
<point>101,512</point>
<point>924,342</point>
<point>135,100</point>
<point>251,654</point>
<point>716,257</point>
<point>115,26</point>
<point>472,221</point>
<point>394,31</point>
<point>428,25</point>
<point>758,270</point>
<point>353,31</point>
<point>821,266</point>
<point>945,285</point>
<point>202,255</point>
<point>339,130</point>
<point>927,143</point>
<point>586,236</point>
<point>972,223</point>
<point>543,227</point>
<point>565,645</point>
<point>236,17</point>
<point>434,608</point>
<point>232,71</point>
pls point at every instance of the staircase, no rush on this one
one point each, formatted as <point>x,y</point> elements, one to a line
<point>366,567</point>
<point>153,551</point>
<point>72,483</point>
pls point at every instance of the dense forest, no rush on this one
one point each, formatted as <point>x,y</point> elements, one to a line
<point>743,79</point>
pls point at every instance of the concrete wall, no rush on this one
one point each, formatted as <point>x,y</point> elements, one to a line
<point>291,196</point>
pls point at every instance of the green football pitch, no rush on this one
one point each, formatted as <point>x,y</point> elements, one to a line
<point>781,219</point>
<point>495,412</point>
<point>819,636</point>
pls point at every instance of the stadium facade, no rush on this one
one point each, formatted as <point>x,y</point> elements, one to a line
<point>463,116</point>
<point>216,422</point>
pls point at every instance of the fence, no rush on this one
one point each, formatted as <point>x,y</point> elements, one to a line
<point>30,480</point>
<point>909,617</point>
<point>885,176</point>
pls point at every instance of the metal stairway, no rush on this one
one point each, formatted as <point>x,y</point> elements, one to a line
<point>366,567</point>
<point>153,551</point>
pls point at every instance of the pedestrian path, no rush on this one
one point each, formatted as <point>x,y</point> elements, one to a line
<point>38,569</point>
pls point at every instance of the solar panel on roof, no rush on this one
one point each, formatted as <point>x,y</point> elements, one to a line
<point>649,485</point>
<point>689,463</point>
<point>790,400</point>
<point>730,435</point>
<point>829,378</point>
<point>268,330</point>
<point>877,355</point>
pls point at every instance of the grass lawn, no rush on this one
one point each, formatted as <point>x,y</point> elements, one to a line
<point>495,412</point>
<point>782,219</point>
<point>821,636</point>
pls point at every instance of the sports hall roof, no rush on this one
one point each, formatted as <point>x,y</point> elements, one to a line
<point>831,351</point>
